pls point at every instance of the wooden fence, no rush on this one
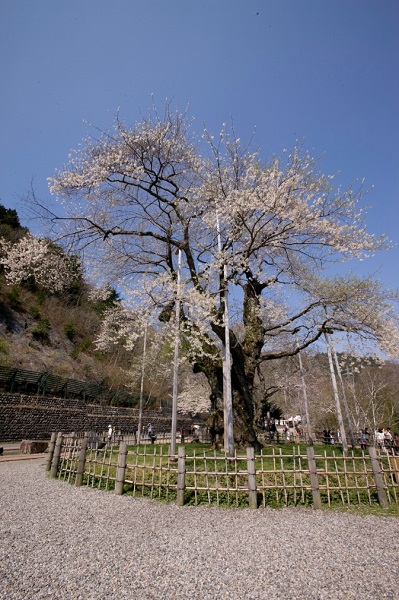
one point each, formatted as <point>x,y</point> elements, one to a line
<point>276,477</point>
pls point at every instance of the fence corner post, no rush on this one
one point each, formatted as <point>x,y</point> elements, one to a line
<point>56,455</point>
<point>51,450</point>
<point>81,462</point>
<point>181,475</point>
<point>252,491</point>
<point>121,468</point>
<point>379,482</point>
<point>314,480</point>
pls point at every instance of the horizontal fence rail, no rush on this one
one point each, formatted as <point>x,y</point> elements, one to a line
<point>46,384</point>
<point>275,477</point>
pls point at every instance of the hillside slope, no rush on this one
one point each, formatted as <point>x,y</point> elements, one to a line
<point>51,332</point>
<point>44,333</point>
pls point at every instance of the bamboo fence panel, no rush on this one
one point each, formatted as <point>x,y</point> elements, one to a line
<point>90,466</point>
<point>132,471</point>
<point>163,474</point>
<point>216,479</point>
<point>294,475</point>
<point>101,465</point>
<point>349,478</point>
<point>276,485</point>
<point>201,478</point>
<point>284,482</point>
<point>153,469</point>
<point>214,473</point>
<point>361,474</point>
<point>335,475</point>
<point>69,458</point>
<point>300,472</point>
<point>207,479</point>
<point>390,473</point>
<point>366,472</point>
<point>197,478</point>
<point>297,477</point>
<point>282,477</point>
<point>195,474</point>
<point>151,472</point>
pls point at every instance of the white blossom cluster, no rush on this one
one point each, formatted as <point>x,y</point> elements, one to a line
<point>38,259</point>
<point>119,325</point>
<point>136,197</point>
<point>98,293</point>
<point>194,395</point>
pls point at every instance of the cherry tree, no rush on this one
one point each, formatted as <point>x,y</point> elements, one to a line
<point>263,231</point>
<point>123,326</point>
<point>39,261</point>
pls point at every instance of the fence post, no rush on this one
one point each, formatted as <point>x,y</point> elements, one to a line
<point>81,462</point>
<point>181,475</point>
<point>56,455</point>
<point>51,450</point>
<point>252,493</point>
<point>120,471</point>
<point>394,466</point>
<point>314,480</point>
<point>379,482</point>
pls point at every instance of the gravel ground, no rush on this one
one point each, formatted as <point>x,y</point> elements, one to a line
<point>62,542</point>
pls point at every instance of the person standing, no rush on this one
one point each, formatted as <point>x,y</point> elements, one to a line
<point>363,440</point>
<point>273,429</point>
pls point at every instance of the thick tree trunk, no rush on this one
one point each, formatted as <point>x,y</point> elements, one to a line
<point>242,381</point>
<point>215,421</point>
<point>243,409</point>
<point>244,361</point>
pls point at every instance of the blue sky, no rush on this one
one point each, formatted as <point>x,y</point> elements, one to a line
<point>322,72</point>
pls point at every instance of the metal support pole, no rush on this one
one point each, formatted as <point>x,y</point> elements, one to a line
<point>142,385</point>
<point>344,400</point>
<point>336,396</point>
<point>176,362</point>
<point>228,399</point>
<point>305,397</point>
<point>227,392</point>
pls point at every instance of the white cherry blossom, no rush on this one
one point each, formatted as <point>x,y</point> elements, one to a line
<point>133,198</point>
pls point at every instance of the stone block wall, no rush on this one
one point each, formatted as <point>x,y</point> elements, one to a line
<point>36,417</point>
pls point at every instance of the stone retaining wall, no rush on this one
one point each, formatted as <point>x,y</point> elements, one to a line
<point>36,417</point>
